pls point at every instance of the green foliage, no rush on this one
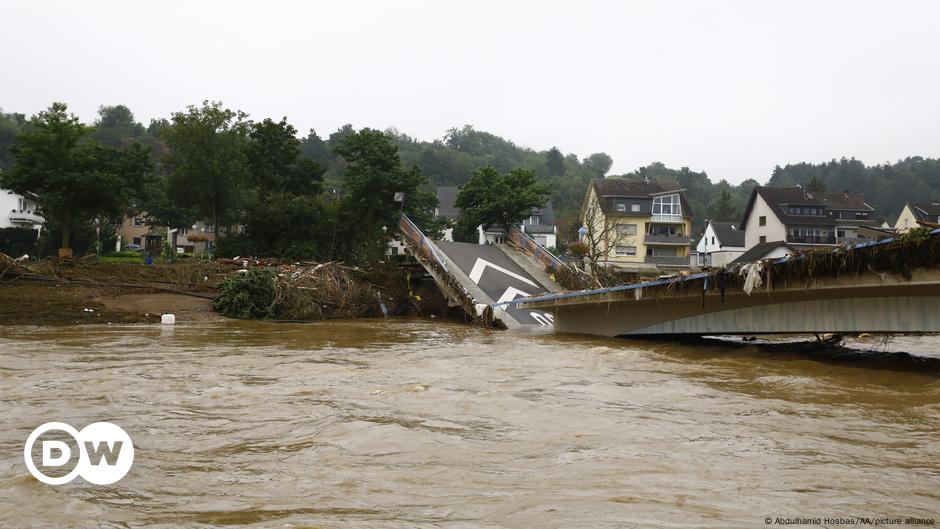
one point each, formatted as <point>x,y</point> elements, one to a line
<point>71,176</point>
<point>17,241</point>
<point>207,161</point>
<point>723,209</point>
<point>374,174</point>
<point>247,295</point>
<point>555,162</point>
<point>10,125</point>
<point>599,162</point>
<point>501,199</point>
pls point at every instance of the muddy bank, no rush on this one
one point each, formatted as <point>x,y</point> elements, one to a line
<point>99,293</point>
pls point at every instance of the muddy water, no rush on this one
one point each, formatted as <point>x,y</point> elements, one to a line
<point>415,424</point>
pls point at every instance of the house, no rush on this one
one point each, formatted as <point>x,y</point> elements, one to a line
<point>805,219</point>
<point>918,215</point>
<point>765,250</point>
<point>17,211</point>
<point>722,243</point>
<point>540,225</point>
<point>636,225</point>
<point>197,238</point>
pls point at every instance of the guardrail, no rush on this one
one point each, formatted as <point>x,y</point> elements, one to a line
<point>568,276</point>
<point>419,241</point>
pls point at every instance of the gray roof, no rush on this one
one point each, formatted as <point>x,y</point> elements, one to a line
<point>728,234</point>
<point>778,198</point>
<point>610,189</point>
<point>929,213</point>
<point>446,197</point>
<point>759,251</point>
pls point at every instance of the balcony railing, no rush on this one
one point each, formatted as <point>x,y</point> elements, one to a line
<point>811,239</point>
<point>667,261</point>
<point>19,216</point>
<point>666,218</point>
<point>657,238</point>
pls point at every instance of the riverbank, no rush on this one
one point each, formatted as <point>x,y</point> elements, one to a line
<point>48,293</point>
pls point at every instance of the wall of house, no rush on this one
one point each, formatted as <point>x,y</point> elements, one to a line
<point>906,220</point>
<point>608,247</point>
<point>10,201</point>
<point>774,230</point>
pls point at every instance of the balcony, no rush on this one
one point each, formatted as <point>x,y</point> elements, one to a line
<point>19,216</point>
<point>667,261</point>
<point>662,238</point>
<point>668,219</point>
<point>810,240</point>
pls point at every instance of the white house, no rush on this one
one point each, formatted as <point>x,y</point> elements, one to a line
<point>17,211</point>
<point>805,219</point>
<point>925,214</point>
<point>722,243</point>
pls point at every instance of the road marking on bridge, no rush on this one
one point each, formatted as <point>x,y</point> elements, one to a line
<point>512,293</point>
<point>480,265</point>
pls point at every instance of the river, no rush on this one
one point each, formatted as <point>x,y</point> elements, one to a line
<point>419,424</point>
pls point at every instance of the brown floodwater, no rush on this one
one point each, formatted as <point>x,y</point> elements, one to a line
<point>419,424</point>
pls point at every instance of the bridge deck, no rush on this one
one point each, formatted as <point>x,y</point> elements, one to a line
<point>846,290</point>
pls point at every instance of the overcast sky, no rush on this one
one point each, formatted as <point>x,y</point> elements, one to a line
<point>731,88</point>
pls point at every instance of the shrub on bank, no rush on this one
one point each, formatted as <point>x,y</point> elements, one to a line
<point>247,295</point>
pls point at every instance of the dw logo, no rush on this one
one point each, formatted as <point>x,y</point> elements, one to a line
<point>105,453</point>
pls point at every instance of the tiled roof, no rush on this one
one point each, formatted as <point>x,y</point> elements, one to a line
<point>779,197</point>
<point>609,188</point>
<point>446,196</point>
<point>759,251</point>
<point>926,212</point>
<point>728,234</point>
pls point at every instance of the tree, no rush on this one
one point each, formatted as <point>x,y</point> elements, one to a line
<point>601,236</point>
<point>207,161</point>
<point>599,162</point>
<point>275,163</point>
<point>116,126</point>
<point>501,199</point>
<point>71,176</point>
<point>284,215</point>
<point>555,162</point>
<point>723,209</point>
<point>373,176</point>
<point>10,125</point>
<point>816,185</point>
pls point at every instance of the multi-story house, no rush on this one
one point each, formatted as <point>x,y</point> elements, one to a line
<point>805,219</point>
<point>636,225</point>
<point>17,211</point>
<point>918,215</point>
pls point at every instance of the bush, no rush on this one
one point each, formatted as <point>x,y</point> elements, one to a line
<point>247,295</point>
<point>17,241</point>
<point>123,253</point>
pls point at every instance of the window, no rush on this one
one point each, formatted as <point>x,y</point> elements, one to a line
<point>625,251</point>
<point>762,220</point>
<point>634,207</point>
<point>763,239</point>
<point>534,220</point>
<point>713,240</point>
<point>667,206</point>
<point>137,241</point>
<point>656,251</point>
<point>138,222</point>
<point>841,233</point>
<point>626,229</point>
<point>621,206</point>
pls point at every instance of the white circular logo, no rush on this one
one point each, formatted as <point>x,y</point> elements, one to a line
<point>106,453</point>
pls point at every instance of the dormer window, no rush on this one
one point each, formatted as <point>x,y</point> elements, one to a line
<point>667,207</point>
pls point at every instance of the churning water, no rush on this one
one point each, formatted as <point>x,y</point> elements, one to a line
<point>374,424</point>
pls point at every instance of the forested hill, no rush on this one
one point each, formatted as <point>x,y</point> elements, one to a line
<point>451,159</point>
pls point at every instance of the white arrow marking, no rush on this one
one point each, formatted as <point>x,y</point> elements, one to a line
<point>512,293</point>
<point>480,265</point>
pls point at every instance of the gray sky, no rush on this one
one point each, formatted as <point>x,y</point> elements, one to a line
<point>731,88</point>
